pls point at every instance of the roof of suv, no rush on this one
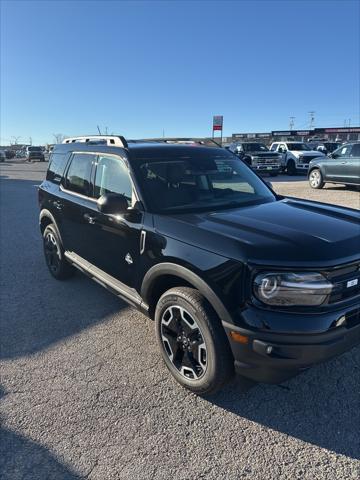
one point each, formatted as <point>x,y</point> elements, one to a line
<point>145,148</point>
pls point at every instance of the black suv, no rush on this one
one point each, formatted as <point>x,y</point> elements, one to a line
<point>235,276</point>
<point>258,157</point>
<point>35,153</point>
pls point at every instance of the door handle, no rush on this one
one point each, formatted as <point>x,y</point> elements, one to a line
<point>89,218</point>
<point>343,163</point>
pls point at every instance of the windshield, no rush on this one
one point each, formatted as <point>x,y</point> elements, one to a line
<point>297,146</point>
<point>34,149</point>
<point>195,182</point>
<point>254,147</point>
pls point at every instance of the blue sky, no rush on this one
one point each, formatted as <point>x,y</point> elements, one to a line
<point>139,68</point>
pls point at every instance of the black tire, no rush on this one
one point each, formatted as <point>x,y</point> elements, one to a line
<point>316,179</point>
<point>206,347</point>
<point>291,168</point>
<point>54,254</point>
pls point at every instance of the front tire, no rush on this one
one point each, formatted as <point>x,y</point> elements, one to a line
<point>316,179</point>
<point>291,168</point>
<point>54,254</point>
<point>192,341</point>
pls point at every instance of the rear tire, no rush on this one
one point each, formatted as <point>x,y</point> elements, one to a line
<point>316,179</point>
<point>54,254</point>
<point>291,168</point>
<point>192,341</point>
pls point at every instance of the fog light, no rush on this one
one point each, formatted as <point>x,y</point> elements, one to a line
<point>341,321</point>
<point>269,349</point>
<point>239,338</point>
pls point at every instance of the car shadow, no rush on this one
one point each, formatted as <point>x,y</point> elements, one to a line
<point>320,406</point>
<point>37,310</point>
<point>22,458</point>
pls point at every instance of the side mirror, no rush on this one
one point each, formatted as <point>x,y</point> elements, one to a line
<point>112,204</point>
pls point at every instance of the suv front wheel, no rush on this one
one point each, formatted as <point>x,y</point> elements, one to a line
<point>192,341</point>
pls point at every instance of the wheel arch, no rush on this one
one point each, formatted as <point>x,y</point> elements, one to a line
<point>163,276</point>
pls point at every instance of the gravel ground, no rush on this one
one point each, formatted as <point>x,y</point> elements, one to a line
<point>84,393</point>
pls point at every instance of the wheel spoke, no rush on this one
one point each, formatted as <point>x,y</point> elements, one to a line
<point>183,342</point>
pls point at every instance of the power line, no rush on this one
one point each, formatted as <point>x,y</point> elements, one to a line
<point>312,120</point>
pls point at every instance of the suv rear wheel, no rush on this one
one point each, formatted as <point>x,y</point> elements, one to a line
<point>192,341</point>
<point>54,254</point>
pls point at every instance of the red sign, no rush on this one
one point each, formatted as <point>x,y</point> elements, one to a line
<point>218,122</point>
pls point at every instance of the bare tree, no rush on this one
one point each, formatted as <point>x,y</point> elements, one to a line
<point>59,137</point>
<point>16,139</point>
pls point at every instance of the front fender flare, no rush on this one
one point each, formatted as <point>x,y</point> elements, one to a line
<point>189,276</point>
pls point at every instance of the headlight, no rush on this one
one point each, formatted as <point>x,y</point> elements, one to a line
<point>290,289</point>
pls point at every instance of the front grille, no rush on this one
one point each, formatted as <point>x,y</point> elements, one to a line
<point>266,161</point>
<point>344,281</point>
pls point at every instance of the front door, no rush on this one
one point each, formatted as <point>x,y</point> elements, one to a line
<point>115,239</point>
<point>337,167</point>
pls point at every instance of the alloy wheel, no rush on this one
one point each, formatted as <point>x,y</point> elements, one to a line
<point>52,252</point>
<point>315,178</point>
<point>183,342</point>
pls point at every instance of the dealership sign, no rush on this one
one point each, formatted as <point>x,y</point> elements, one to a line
<point>290,133</point>
<point>218,122</point>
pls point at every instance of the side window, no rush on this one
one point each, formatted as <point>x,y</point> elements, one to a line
<point>355,151</point>
<point>343,151</point>
<point>112,176</point>
<point>78,175</point>
<point>274,147</point>
<point>56,168</point>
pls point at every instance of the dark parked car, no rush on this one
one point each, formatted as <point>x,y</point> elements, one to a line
<point>258,157</point>
<point>341,166</point>
<point>35,153</point>
<point>235,276</point>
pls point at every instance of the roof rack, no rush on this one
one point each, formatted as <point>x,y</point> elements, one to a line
<point>115,140</point>
<point>209,142</point>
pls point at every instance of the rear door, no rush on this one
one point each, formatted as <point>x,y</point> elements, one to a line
<point>78,204</point>
<point>354,164</point>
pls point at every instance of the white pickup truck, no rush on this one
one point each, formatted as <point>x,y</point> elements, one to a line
<point>295,156</point>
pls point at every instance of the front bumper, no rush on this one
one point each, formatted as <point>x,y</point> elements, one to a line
<point>266,168</point>
<point>275,357</point>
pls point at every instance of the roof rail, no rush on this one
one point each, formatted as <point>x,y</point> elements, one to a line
<point>188,140</point>
<point>115,140</point>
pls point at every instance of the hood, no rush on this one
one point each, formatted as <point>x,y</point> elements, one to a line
<point>307,153</point>
<point>287,232</point>
<point>264,154</point>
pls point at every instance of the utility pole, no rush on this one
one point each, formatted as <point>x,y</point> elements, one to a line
<point>106,130</point>
<point>312,120</point>
<point>291,123</point>
<point>30,140</point>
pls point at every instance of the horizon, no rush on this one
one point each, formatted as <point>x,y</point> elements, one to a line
<point>153,69</point>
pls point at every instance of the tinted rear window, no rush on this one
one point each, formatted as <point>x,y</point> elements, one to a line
<point>56,166</point>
